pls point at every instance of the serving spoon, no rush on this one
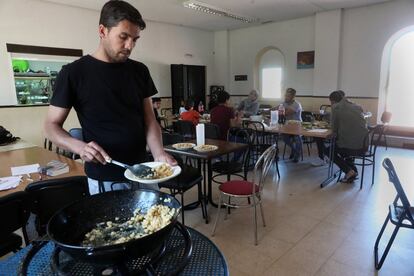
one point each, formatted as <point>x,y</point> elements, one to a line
<point>139,170</point>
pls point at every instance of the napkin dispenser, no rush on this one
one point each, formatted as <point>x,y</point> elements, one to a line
<point>200,135</point>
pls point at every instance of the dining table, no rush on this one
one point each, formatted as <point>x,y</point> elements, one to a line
<point>296,128</point>
<point>34,155</point>
<point>223,148</point>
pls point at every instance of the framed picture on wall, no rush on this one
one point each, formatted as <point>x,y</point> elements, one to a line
<point>305,60</point>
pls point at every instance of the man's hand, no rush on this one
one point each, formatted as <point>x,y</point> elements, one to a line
<point>165,157</point>
<point>92,152</point>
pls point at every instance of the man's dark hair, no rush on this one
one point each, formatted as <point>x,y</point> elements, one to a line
<point>291,91</point>
<point>156,100</point>
<point>336,96</point>
<point>189,104</point>
<point>222,97</point>
<point>115,11</point>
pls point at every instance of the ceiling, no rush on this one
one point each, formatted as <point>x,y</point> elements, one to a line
<point>173,12</point>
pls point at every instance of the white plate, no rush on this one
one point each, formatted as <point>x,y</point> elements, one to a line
<point>130,176</point>
<point>200,149</point>
<point>177,146</point>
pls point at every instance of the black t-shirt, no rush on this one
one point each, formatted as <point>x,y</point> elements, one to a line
<point>108,99</point>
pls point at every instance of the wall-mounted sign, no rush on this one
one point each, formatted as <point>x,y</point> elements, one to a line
<point>240,77</point>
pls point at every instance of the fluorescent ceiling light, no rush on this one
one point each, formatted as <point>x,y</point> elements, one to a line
<point>203,7</point>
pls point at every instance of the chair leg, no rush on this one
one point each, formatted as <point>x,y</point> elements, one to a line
<point>255,223</point>
<point>227,209</point>
<point>262,213</point>
<point>218,215</point>
<point>379,264</point>
<point>277,169</point>
<point>182,209</point>
<point>373,171</point>
<point>385,141</point>
<point>362,173</point>
<point>203,204</point>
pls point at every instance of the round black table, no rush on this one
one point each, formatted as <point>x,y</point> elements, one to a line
<point>206,258</point>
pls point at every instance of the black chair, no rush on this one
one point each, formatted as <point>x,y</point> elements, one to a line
<point>399,215</point>
<point>307,116</point>
<point>14,213</point>
<point>385,119</point>
<point>367,158</point>
<point>48,196</point>
<point>238,165</point>
<point>185,129</point>
<point>211,131</point>
<point>260,139</point>
<point>78,134</point>
<point>187,179</point>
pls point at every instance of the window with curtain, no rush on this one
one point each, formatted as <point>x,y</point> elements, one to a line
<point>400,91</point>
<point>270,73</point>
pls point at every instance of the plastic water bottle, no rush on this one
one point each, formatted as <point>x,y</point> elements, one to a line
<point>201,107</point>
<point>282,117</point>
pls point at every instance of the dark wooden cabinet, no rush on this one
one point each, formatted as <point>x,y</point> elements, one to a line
<point>187,81</point>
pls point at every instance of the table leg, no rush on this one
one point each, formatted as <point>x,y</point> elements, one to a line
<point>205,194</point>
<point>331,175</point>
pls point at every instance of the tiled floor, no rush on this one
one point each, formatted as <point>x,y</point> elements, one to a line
<point>313,231</point>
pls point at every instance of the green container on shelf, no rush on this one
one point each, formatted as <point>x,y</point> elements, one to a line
<point>20,65</point>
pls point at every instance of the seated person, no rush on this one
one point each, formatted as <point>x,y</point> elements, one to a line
<point>349,126</point>
<point>250,106</point>
<point>182,107</point>
<point>190,114</point>
<point>156,104</point>
<point>223,115</point>
<point>293,111</point>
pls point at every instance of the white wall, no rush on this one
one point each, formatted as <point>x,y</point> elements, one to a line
<point>289,36</point>
<point>365,33</point>
<point>42,23</point>
<point>348,45</point>
<point>327,52</point>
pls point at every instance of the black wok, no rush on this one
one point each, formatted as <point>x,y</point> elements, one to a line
<point>67,228</point>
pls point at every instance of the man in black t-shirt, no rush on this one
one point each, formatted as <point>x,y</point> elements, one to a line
<point>112,98</point>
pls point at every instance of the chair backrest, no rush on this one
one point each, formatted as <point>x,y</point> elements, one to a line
<point>374,136</point>
<point>393,178</point>
<point>76,133</point>
<point>263,165</point>
<point>307,116</point>
<point>258,136</point>
<point>14,213</point>
<point>386,117</point>
<point>325,107</point>
<point>185,128</point>
<point>212,131</point>
<point>170,139</point>
<point>167,111</point>
<point>48,196</point>
<point>241,135</point>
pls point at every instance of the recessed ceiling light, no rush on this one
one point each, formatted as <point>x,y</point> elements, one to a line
<point>203,7</point>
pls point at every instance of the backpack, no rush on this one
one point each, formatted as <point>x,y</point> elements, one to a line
<point>6,137</point>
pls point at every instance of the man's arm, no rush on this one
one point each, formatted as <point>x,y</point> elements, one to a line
<point>53,128</point>
<point>153,135</point>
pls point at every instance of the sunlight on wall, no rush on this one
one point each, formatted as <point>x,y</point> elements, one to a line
<point>400,96</point>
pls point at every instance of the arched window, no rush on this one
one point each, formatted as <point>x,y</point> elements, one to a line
<point>269,72</point>
<point>398,80</point>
